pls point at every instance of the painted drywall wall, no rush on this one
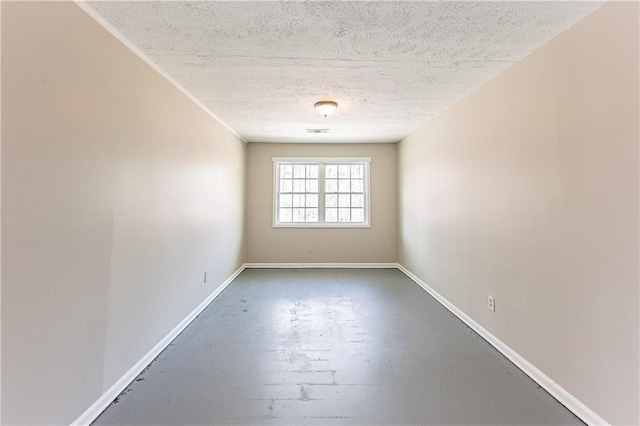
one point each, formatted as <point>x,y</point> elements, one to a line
<point>0,213</point>
<point>527,190</point>
<point>266,244</point>
<point>118,192</point>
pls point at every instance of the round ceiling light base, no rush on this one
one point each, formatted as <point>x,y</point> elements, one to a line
<point>325,108</point>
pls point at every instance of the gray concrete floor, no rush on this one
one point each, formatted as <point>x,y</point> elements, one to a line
<point>331,347</point>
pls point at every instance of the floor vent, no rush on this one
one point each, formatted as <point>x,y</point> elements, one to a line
<point>317,130</point>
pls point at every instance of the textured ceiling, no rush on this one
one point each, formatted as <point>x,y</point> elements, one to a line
<point>260,66</point>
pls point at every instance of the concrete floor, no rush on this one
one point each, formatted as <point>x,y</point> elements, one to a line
<point>331,347</point>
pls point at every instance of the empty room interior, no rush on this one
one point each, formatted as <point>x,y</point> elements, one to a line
<point>320,213</point>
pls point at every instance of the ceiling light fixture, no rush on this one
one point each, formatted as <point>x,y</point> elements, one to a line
<point>325,108</point>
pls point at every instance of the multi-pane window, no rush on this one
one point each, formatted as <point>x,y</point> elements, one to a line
<point>344,193</point>
<point>321,192</point>
<point>298,193</point>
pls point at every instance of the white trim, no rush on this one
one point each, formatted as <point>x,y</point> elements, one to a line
<point>122,39</point>
<point>313,160</point>
<point>105,400</point>
<point>558,392</point>
<point>320,265</point>
<point>330,225</point>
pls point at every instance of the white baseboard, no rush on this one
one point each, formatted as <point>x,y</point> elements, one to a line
<point>103,402</point>
<point>321,265</point>
<point>572,403</point>
<point>558,392</point>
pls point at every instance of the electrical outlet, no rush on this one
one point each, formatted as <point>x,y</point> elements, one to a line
<point>492,304</point>
<point>310,249</point>
<point>204,277</point>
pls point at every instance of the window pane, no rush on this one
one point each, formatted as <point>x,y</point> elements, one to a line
<point>298,200</point>
<point>331,200</point>
<point>286,200</point>
<point>344,200</point>
<point>331,171</point>
<point>356,171</point>
<point>357,200</point>
<point>298,215</point>
<point>312,185</point>
<point>286,185</point>
<point>298,171</point>
<point>344,215</point>
<point>312,171</point>
<point>357,185</point>
<point>357,215</point>
<point>285,215</point>
<point>298,185</point>
<point>344,185</point>
<point>311,215</point>
<point>331,215</point>
<point>286,171</point>
<point>311,200</point>
<point>344,171</point>
<point>331,185</point>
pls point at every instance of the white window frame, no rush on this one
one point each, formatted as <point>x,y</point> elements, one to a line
<point>321,161</point>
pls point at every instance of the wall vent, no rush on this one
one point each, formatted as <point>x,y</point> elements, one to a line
<point>317,130</point>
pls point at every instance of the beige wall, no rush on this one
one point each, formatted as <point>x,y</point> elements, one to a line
<point>527,190</point>
<point>345,245</point>
<point>0,214</point>
<point>117,193</point>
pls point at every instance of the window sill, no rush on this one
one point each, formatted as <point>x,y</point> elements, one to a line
<point>318,226</point>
